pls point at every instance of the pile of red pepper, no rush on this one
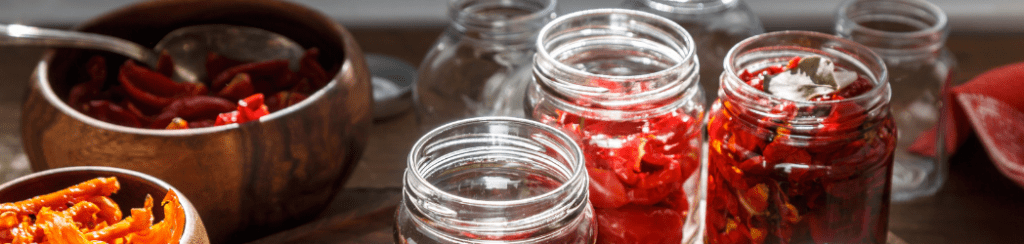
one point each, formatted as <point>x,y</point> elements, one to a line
<point>141,97</point>
<point>637,169</point>
<point>768,187</point>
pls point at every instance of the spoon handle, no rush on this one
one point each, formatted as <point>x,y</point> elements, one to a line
<point>20,35</point>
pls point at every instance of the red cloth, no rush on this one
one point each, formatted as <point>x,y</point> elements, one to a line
<point>992,104</point>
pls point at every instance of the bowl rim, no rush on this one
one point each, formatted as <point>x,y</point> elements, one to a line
<point>40,76</point>
<point>192,220</point>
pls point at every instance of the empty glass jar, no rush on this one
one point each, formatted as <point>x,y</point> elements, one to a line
<point>716,25</point>
<point>480,65</point>
<point>495,180</point>
<point>792,171</point>
<point>624,84</point>
<point>910,36</point>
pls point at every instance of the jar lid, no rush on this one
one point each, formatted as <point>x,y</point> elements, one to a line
<point>392,84</point>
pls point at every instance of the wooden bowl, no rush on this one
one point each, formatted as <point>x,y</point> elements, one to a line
<point>134,188</point>
<point>247,180</point>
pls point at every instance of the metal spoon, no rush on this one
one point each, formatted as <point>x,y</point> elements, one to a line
<point>187,46</point>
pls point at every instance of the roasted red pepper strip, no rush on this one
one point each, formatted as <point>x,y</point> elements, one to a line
<point>157,84</point>
<point>636,224</point>
<point>215,64</point>
<point>264,72</point>
<point>165,65</point>
<point>283,99</point>
<point>605,190</point>
<point>192,108</point>
<point>310,68</point>
<point>96,69</point>
<point>111,113</point>
<point>239,88</point>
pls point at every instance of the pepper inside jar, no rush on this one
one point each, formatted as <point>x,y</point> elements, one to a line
<point>624,84</point>
<point>800,149</point>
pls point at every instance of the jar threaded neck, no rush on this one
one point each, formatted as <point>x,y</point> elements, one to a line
<point>611,59</point>
<point>893,27</point>
<point>501,20</point>
<point>801,119</point>
<point>496,177</point>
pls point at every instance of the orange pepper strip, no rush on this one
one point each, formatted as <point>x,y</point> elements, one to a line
<point>109,211</point>
<point>82,212</point>
<point>8,220</point>
<point>94,187</point>
<point>59,228</point>
<point>170,229</point>
<point>140,220</point>
<point>24,234</point>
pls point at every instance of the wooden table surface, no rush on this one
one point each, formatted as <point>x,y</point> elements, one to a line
<point>977,204</point>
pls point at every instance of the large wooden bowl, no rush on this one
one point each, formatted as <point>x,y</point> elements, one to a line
<point>247,180</point>
<point>134,188</point>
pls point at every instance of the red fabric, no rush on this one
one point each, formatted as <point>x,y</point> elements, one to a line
<point>991,104</point>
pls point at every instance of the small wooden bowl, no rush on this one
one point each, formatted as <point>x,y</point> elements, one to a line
<point>247,180</point>
<point>134,188</point>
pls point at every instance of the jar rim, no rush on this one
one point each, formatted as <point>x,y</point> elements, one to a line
<point>543,52</point>
<point>940,25</point>
<point>577,165</point>
<point>690,6</point>
<point>881,79</point>
<point>455,9</point>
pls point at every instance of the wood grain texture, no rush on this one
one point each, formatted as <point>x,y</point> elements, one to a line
<point>249,180</point>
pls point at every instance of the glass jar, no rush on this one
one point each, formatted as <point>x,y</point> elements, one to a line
<point>716,25</point>
<point>624,84</point>
<point>786,171</point>
<point>495,180</point>
<point>910,36</point>
<point>480,65</point>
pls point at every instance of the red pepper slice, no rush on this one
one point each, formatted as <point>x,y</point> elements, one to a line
<point>216,64</point>
<point>165,65</point>
<point>252,107</point>
<point>605,189</point>
<point>110,113</point>
<point>779,152</point>
<point>640,224</point>
<point>228,118</point>
<point>249,109</point>
<point>239,88</point>
<point>96,69</point>
<point>649,196</point>
<point>283,100</point>
<point>192,108</point>
<point>262,74</point>
<point>155,83</point>
<point>310,68</point>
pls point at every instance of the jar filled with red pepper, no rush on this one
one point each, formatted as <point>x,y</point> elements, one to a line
<point>625,85</point>
<point>801,143</point>
<point>495,180</point>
